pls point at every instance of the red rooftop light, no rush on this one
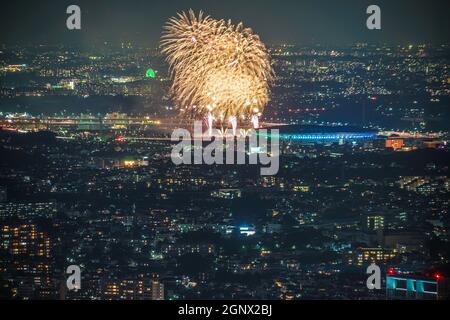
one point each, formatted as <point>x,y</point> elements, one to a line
<point>391,271</point>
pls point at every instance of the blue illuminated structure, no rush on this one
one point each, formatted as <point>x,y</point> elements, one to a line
<point>411,288</point>
<point>324,136</point>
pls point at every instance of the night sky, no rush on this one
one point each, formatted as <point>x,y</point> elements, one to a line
<point>276,21</point>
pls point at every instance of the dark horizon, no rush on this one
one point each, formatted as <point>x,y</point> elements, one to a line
<point>276,22</point>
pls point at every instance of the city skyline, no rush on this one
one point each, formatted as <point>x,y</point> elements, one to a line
<point>306,159</point>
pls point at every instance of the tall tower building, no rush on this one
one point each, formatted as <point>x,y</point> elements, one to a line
<point>157,290</point>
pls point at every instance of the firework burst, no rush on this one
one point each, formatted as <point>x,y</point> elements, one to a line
<point>217,68</point>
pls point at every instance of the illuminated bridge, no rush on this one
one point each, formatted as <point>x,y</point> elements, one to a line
<point>323,133</point>
<point>327,136</point>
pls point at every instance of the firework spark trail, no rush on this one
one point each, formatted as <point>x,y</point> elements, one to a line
<point>217,67</point>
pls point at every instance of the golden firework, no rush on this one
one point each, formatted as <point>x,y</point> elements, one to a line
<point>216,67</point>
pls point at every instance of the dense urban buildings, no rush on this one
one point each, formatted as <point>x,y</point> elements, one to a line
<point>86,179</point>
<point>94,207</point>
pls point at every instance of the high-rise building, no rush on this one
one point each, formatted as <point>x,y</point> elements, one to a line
<point>157,290</point>
<point>27,261</point>
<point>411,287</point>
<point>375,222</point>
<point>374,255</point>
